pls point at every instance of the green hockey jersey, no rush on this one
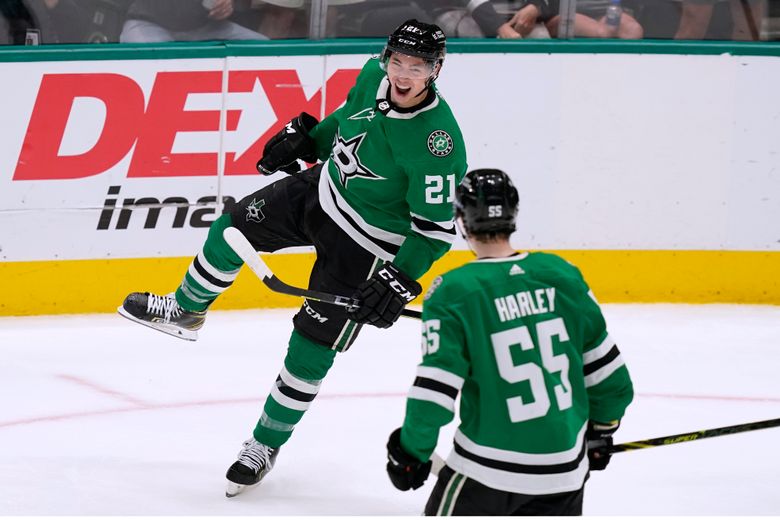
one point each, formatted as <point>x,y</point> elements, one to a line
<point>390,174</point>
<point>525,343</point>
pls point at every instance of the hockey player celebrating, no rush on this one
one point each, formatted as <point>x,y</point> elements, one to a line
<point>543,385</point>
<point>378,212</point>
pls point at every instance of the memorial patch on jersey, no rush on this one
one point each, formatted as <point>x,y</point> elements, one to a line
<point>434,285</point>
<point>440,143</point>
<point>253,211</point>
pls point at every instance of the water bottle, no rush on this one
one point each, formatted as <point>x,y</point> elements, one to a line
<point>614,12</point>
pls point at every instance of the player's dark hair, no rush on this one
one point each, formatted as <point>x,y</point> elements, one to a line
<point>486,201</point>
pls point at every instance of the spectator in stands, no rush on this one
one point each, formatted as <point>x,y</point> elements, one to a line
<point>5,30</point>
<point>183,20</point>
<point>697,16</point>
<point>62,21</point>
<point>276,19</point>
<point>472,19</point>
<point>524,16</point>
<point>375,18</point>
<point>85,21</point>
<point>17,20</point>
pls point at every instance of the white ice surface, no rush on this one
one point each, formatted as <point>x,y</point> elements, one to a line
<point>100,416</point>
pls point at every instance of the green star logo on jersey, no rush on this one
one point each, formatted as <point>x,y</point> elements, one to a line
<point>440,143</point>
<point>253,211</point>
<point>346,159</point>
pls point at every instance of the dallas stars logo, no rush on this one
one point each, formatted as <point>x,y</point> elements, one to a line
<point>345,156</point>
<point>440,143</point>
<point>253,212</point>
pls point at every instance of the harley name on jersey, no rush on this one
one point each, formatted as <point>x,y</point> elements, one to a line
<point>525,303</point>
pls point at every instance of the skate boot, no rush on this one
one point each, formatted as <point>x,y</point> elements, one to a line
<point>255,460</point>
<point>162,313</point>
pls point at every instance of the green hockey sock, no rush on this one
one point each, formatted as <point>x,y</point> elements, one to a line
<point>305,366</point>
<point>211,272</point>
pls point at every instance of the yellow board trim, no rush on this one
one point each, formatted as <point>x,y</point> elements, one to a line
<point>96,286</point>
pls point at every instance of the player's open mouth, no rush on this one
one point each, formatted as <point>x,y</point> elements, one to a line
<point>403,90</point>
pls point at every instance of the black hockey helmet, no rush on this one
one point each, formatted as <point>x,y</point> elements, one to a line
<point>487,201</point>
<point>414,38</point>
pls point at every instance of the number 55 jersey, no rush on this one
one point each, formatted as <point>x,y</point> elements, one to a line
<point>525,344</point>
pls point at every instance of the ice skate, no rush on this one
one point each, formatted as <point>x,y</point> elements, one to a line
<point>162,313</point>
<point>255,460</point>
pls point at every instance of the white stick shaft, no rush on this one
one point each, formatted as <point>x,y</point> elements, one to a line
<point>437,464</point>
<point>238,242</point>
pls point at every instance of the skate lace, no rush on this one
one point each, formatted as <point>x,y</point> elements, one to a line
<point>164,306</point>
<point>255,455</point>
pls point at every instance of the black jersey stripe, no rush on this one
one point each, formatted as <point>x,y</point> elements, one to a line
<point>205,274</point>
<point>602,361</point>
<point>515,467</point>
<point>427,225</point>
<point>385,246</point>
<point>292,393</point>
<point>436,386</point>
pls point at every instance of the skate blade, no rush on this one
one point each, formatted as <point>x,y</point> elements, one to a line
<point>176,332</point>
<point>234,489</point>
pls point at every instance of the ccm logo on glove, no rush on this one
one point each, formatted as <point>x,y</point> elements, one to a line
<point>397,286</point>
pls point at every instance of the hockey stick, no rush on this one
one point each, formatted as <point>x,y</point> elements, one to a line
<point>438,462</point>
<point>694,436</point>
<point>238,242</point>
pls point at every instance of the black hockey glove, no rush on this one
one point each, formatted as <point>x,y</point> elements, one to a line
<point>383,296</point>
<point>599,437</point>
<point>405,471</point>
<point>293,142</point>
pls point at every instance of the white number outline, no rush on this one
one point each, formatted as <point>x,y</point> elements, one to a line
<point>502,342</point>
<point>430,336</point>
<point>434,189</point>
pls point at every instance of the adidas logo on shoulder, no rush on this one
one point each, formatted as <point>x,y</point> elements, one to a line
<point>516,269</point>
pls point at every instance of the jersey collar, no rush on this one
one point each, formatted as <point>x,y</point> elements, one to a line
<point>512,258</point>
<point>386,107</point>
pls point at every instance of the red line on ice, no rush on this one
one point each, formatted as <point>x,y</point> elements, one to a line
<point>254,400</point>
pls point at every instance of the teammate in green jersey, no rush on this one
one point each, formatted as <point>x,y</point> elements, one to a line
<point>543,386</point>
<point>378,211</point>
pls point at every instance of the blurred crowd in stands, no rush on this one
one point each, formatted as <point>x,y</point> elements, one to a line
<point>32,22</point>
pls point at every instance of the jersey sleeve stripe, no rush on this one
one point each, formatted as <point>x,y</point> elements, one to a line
<point>599,351</point>
<point>444,231</point>
<point>436,386</point>
<point>424,394</point>
<point>590,368</point>
<point>604,372</point>
<point>445,226</point>
<point>448,378</point>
